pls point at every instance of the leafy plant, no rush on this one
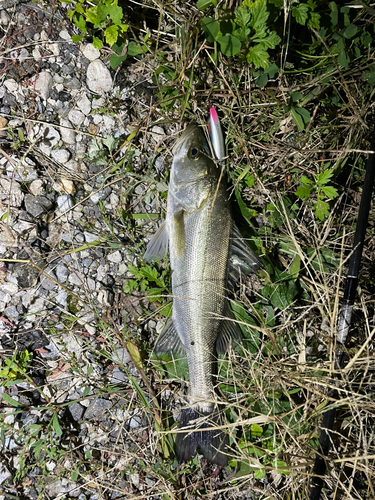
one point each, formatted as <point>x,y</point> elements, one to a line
<point>319,190</point>
<point>300,115</point>
<point>144,276</point>
<point>16,366</point>
<point>245,32</point>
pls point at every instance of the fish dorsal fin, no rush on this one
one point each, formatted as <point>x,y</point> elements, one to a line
<point>158,245</point>
<point>168,341</point>
<point>229,331</point>
<point>243,258</point>
<point>179,237</point>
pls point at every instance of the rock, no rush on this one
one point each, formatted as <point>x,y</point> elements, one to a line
<point>90,52</point>
<point>43,84</point>
<point>84,104</point>
<point>23,55</point>
<point>68,186</point>
<point>67,133</point>
<point>10,192</point>
<point>50,136</point>
<point>74,279</point>
<point>121,355</point>
<point>64,202</point>
<point>97,408</point>
<point>11,85</point>
<point>36,187</point>
<point>76,410</point>
<point>61,273</point>
<point>60,155</point>
<point>98,78</point>
<point>115,257</point>
<point>36,206</point>
<point>3,124</point>
<point>118,376</point>
<point>76,117</point>
<point>62,298</point>
<point>4,474</point>
<point>89,237</point>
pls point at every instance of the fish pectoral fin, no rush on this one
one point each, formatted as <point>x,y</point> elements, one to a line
<point>243,258</point>
<point>158,245</point>
<point>179,236</point>
<point>169,341</point>
<point>229,332</point>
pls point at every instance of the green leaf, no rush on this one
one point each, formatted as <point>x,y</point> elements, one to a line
<point>300,13</point>
<point>256,430</point>
<point>304,113</point>
<point>115,13</point>
<point>270,41</point>
<point>258,57</point>
<point>203,4</point>
<point>303,192</point>
<point>334,13</point>
<point>211,28</point>
<point>298,119</point>
<point>350,31</point>
<point>77,38</point>
<point>134,49</point>
<point>330,192</point>
<point>295,267</point>
<point>111,35</point>
<point>116,60</point>
<point>370,76</point>
<point>306,180</point>
<point>10,400</point>
<point>80,23</point>
<point>324,177</point>
<point>314,21</point>
<point>93,17</point>
<point>56,425</point>
<point>242,16</point>
<point>229,45</point>
<point>321,209</point>
<point>259,15</point>
<point>260,473</point>
<point>97,43</point>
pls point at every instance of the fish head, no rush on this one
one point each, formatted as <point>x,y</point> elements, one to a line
<point>193,171</point>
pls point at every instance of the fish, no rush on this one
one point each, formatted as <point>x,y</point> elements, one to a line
<point>206,250</point>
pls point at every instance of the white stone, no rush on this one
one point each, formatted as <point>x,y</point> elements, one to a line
<point>65,35</point>
<point>36,54</point>
<point>24,54</point>
<point>51,135</point>
<point>115,257</point>
<point>36,306</point>
<point>60,155</point>
<point>64,202</point>
<point>76,117</point>
<point>36,187</point>
<point>11,85</point>
<point>90,329</point>
<point>43,84</point>
<point>84,104</point>
<point>89,237</point>
<point>10,288</point>
<point>98,77</point>
<point>67,133</point>
<point>90,52</point>
<point>109,122</point>
<point>10,192</point>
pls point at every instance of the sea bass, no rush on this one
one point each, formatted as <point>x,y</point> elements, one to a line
<point>205,249</point>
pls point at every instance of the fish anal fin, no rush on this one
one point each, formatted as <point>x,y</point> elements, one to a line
<point>158,244</point>
<point>229,332</point>
<point>179,237</point>
<point>168,341</point>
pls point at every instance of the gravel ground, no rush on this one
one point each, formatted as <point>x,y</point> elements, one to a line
<point>68,233</point>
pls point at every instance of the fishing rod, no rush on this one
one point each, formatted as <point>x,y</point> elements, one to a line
<point>344,322</point>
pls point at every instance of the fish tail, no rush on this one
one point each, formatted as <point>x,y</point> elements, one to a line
<point>200,436</point>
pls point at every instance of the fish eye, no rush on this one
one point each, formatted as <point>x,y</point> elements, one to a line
<point>194,154</point>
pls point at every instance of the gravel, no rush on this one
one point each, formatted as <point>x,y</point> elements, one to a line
<point>61,204</point>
